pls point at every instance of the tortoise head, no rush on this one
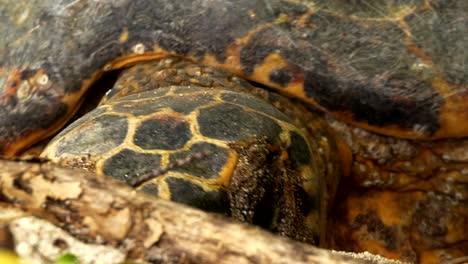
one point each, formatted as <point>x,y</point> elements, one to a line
<point>32,107</point>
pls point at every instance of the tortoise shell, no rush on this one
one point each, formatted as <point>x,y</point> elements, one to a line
<point>260,165</point>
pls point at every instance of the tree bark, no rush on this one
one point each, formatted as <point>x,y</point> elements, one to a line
<point>99,210</point>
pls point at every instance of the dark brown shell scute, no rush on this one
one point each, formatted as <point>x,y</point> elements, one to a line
<point>234,123</point>
<point>98,136</point>
<point>166,133</point>
<point>128,164</point>
<point>186,192</point>
<point>210,167</point>
<point>80,121</point>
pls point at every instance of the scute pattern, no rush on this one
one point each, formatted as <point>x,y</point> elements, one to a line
<point>127,164</point>
<point>101,134</point>
<point>234,123</point>
<point>186,192</point>
<point>211,167</point>
<point>170,125</point>
<point>165,132</point>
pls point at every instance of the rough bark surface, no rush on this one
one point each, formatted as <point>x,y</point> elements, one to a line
<point>101,211</point>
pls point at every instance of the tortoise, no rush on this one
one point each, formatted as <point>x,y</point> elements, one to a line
<point>200,136</point>
<point>387,78</point>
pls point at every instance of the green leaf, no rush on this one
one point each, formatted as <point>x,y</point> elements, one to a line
<point>67,258</point>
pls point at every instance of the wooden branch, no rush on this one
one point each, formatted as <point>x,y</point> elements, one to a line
<point>103,211</point>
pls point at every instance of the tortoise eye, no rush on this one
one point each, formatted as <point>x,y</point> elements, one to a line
<point>139,48</point>
<point>43,79</point>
